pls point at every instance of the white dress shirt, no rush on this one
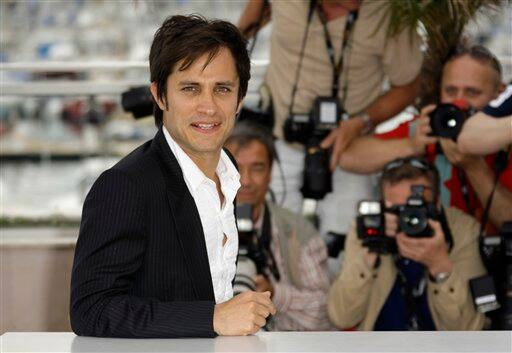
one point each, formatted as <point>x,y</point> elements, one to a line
<point>217,220</point>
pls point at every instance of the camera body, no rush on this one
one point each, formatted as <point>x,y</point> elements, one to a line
<point>496,252</point>
<point>248,243</point>
<point>309,130</point>
<point>324,117</point>
<point>446,119</point>
<point>414,215</point>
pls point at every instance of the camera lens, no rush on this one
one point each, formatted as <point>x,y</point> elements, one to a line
<point>446,121</point>
<point>414,222</point>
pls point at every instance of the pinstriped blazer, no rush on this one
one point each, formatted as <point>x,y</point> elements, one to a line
<point>141,266</point>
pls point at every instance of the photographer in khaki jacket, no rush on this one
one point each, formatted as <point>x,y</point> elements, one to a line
<point>425,285</point>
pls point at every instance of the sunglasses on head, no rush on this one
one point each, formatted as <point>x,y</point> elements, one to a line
<point>419,163</point>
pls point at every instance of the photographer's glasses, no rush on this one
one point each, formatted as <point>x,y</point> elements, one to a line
<point>419,163</point>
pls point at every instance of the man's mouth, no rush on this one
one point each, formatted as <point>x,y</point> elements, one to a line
<point>205,127</point>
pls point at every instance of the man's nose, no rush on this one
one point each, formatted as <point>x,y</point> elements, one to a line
<point>207,104</point>
<point>245,178</point>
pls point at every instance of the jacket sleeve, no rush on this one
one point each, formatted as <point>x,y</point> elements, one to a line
<point>110,249</point>
<point>451,301</point>
<point>350,293</point>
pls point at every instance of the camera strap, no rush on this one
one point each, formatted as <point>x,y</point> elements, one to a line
<point>412,294</point>
<point>338,67</point>
<point>500,164</point>
<point>265,238</point>
<point>464,189</point>
<point>312,6</point>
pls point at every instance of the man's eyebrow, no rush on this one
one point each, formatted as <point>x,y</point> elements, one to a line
<point>188,83</point>
<point>225,83</point>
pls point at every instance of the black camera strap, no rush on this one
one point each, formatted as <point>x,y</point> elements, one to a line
<point>500,164</point>
<point>312,6</point>
<point>338,67</point>
<point>265,238</point>
<point>464,189</point>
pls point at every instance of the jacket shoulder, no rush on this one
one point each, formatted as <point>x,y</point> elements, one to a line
<point>464,227</point>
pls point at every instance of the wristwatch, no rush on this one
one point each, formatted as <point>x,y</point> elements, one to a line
<point>440,277</point>
<point>367,123</point>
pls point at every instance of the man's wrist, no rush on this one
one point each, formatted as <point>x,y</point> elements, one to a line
<point>440,267</point>
<point>414,148</point>
<point>366,124</point>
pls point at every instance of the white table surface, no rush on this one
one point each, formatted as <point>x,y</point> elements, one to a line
<point>479,341</point>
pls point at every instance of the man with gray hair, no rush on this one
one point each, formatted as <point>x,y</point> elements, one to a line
<point>294,261</point>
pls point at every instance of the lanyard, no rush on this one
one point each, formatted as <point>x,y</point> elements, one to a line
<point>337,68</point>
<point>265,237</point>
<point>464,189</point>
<point>352,17</point>
<point>412,294</point>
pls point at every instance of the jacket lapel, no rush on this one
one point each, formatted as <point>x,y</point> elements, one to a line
<point>187,222</point>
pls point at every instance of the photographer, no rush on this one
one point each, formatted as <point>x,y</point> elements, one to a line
<point>490,130</point>
<point>292,258</point>
<point>339,51</point>
<point>424,285</point>
<point>471,78</point>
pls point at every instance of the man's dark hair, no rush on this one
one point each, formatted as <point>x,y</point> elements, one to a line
<point>408,169</point>
<point>186,38</point>
<point>246,132</point>
<point>478,53</point>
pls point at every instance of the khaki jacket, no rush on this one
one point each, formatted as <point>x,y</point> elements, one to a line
<point>359,293</point>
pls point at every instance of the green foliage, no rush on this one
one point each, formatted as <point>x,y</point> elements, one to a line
<point>443,22</point>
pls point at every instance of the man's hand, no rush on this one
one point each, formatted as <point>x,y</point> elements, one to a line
<point>431,251</point>
<point>242,315</point>
<point>456,157</point>
<point>341,137</point>
<point>263,284</point>
<point>421,137</point>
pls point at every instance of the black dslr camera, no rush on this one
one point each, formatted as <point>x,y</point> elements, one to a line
<point>310,130</point>
<point>412,220</point>
<point>496,252</point>
<point>447,119</point>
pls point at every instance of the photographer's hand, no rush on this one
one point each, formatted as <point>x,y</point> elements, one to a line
<point>263,284</point>
<point>421,137</point>
<point>243,315</point>
<point>431,251</point>
<point>341,137</point>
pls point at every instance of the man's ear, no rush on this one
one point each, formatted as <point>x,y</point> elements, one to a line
<point>154,93</point>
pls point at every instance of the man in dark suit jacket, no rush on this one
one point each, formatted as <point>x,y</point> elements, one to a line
<point>142,265</point>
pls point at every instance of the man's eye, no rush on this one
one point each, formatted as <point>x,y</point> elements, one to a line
<point>223,89</point>
<point>189,89</point>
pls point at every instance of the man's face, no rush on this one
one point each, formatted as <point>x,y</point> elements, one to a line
<point>202,104</point>
<point>468,79</point>
<point>255,172</point>
<point>398,193</point>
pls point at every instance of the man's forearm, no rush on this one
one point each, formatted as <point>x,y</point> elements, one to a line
<point>394,101</point>
<point>250,17</point>
<point>483,134</point>
<point>370,154</point>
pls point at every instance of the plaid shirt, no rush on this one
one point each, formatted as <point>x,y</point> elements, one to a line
<point>300,307</point>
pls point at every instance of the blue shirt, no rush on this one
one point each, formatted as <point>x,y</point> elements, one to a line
<point>394,314</point>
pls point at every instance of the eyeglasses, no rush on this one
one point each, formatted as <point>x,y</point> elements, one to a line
<point>419,163</point>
